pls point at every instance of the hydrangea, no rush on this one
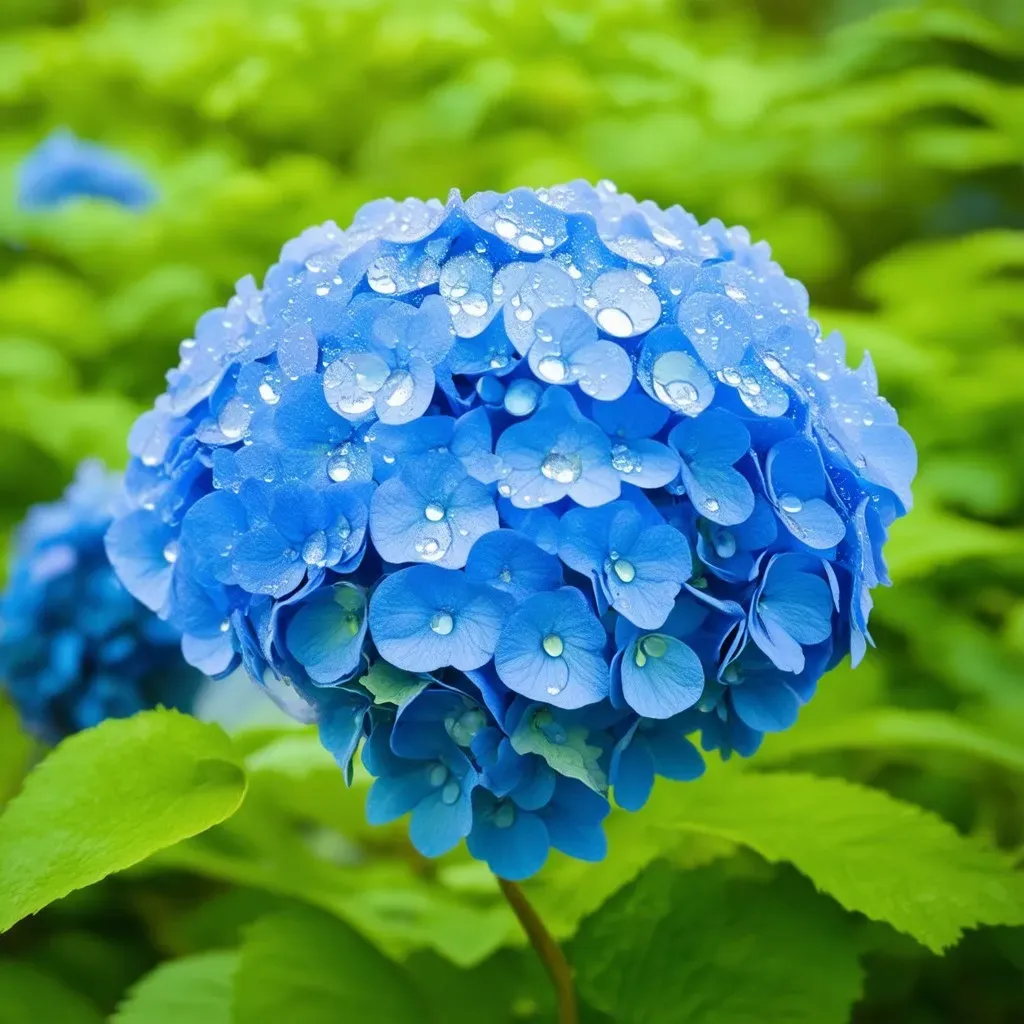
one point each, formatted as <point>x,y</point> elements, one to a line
<point>520,493</point>
<point>75,646</point>
<point>63,167</point>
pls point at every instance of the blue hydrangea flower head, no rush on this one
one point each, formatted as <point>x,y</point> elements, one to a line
<point>529,495</point>
<point>63,167</point>
<point>75,646</point>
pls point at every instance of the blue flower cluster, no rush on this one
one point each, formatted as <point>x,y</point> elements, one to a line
<point>75,646</point>
<point>63,167</point>
<point>519,492</point>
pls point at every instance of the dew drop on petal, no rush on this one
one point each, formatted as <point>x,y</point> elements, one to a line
<point>562,468</point>
<point>442,623</point>
<point>553,647</point>
<point>791,504</point>
<point>624,570</point>
<point>615,322</point>
<point>711,504</point>
<point>434,512</point>
<point>437,775</point>
<point>521,397</point>
<point>171,550</point>
<point>398,388</point>
<point>553,369</point>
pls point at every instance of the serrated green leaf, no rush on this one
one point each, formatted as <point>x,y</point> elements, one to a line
<point>705,948</point>
<point>890,860</point>
<point>31,996</point>
<point>390,685</point>
<point>196,989</point>
<point>108,797</point>
<point>566,749</point>
<point>306,967</point>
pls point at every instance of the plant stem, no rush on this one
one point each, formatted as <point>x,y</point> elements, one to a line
<point>547,949</point>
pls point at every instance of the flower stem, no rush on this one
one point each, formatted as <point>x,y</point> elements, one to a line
<point>547,949</point>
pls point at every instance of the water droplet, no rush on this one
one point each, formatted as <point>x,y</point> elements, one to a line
<point>724,544</point>
<point>437,775</point>
<point>451,792</point>
<point>522,397</point>
<point>624,570</point>
<point>524,313</point>
<point>234,418</point>
<point>399,388</point>
<point>615,322</point>
<point>791,504</point>
<point>562,468</point>
<point>442,623</point>
<point>530,243</point>
<point>505,490</point>
<point>268,394</point>
<point>729,376</point>
<point>380,280</point>
<point>171,550</point>
<point>505,575</point>
<point>388,458</point>
<point>654,646</point>
<point>505,229</point>
<point>711,504</point>
<point>225,626</point>
<point>314,550</point>
<point>434,512</point>
<point>339,466</point>
<point>474,305</point>
<point>323,290</point>
<point>553,369</point>
<point>626,461</point>
<point>671,386</point>
<point>730,674</point>
<point>553,647</point>
<point>504,815</point>
<point>431,549</point>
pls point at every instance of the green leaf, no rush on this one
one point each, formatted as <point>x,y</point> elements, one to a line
<point>196,989</point>
<point>704,948</point>
<point>31,996</point>
<point>896,731</point>
<point>390,685</point>
<point>108,797</point>
<point>305,967</point>
<point>890,860</point>
<point>565,749</point>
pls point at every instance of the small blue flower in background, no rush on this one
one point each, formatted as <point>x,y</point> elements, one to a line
<point>518,494</point>
<point>75,646</point>
<point>63,167</point>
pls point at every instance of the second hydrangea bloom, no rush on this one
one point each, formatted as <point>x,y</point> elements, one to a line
<point>521,491</point>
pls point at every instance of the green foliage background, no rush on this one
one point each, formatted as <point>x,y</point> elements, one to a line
<point>880,149</point>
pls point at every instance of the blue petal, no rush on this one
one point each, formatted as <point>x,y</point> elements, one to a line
<point>709,446</point>
<point>660,676</point>
<point>425,618</point>
<point>511,562</point>
<point>796,480</point>
<point>438,823</point>
<point>632,772</point>
<point>645,463</point>
<point>341,725</point>
<point>632,417</point>
<point>433,511</point>
<point>326,634</point>
<point>675,757</point>
<point>575,677</point>
<point>513,843</point>
<point>574,819</point>
<point>765,706</point>
<point>669,371</point>
<point>718,328</point>
<point>391,796</point>
<point>138,546</point>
